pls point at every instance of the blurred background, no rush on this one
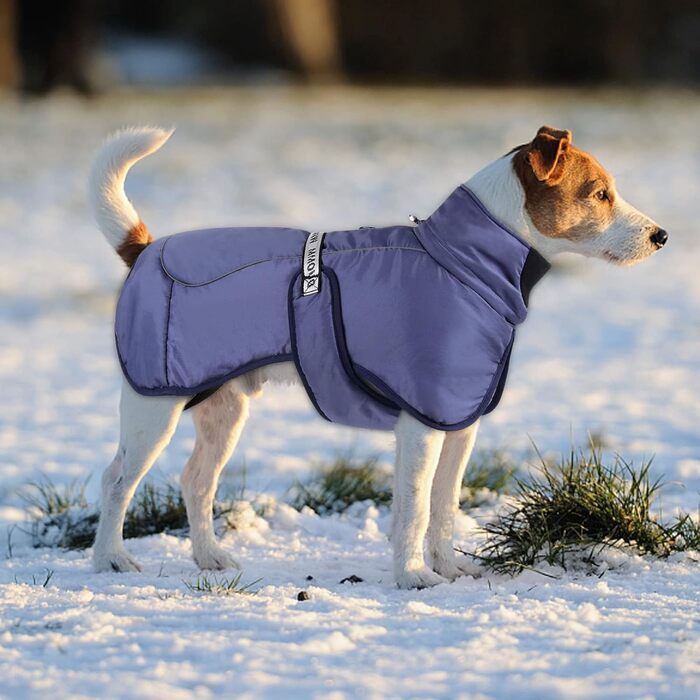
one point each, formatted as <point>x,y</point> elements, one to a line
<point>338,113</point>
<point>91,45</point>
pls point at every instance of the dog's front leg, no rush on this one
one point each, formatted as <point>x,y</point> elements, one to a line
<point>444,499</point>
<point>417,454</point>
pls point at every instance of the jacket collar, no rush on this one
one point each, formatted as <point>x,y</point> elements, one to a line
<point>465,239</point>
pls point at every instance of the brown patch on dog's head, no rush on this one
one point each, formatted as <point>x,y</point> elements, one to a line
<point>138,238</point>
<point>568,194</point>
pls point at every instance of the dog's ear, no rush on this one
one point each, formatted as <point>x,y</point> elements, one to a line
<point>546,150</point>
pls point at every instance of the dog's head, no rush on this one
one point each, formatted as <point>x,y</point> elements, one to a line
<point>570,198</point>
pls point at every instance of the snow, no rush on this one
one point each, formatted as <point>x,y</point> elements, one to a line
<point>616,351</point>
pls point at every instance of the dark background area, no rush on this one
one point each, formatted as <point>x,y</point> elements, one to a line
<point>43,45</point>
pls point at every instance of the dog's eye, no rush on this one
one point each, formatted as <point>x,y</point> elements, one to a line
<point>602,195</point>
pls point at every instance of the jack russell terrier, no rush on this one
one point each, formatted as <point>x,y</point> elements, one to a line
<point>404,328</point>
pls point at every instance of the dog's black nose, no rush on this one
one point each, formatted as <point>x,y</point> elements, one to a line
<point>659,238</point>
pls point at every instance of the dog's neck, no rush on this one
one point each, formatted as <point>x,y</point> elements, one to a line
<point>500,191</point>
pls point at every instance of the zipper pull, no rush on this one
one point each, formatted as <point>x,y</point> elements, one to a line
<point>414,219</point>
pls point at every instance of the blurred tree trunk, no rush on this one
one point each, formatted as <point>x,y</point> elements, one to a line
<point>9,65</point>
<point>625,41</point>
<point>310,31</point>
<point>53,44</point>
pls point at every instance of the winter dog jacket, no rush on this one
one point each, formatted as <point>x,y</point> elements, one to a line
<point>420,318</point>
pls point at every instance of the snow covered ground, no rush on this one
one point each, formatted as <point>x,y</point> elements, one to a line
<point>616,351</point>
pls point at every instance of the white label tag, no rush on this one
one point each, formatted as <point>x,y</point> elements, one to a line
<point>311,272</point>
<point>310,285</point>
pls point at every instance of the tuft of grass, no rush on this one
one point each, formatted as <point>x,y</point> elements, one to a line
<point>571,511</point>
<point>684,533</point>
<point>155,509</point>
<point>47,578</point>
<point>47,498</point>
<point>334,488</point>
<point>10,546</point>
<point>77,532</point>
<point>489,473</point>
<point>40,581</point>
<point>211,584</point>
<point>62,517</point>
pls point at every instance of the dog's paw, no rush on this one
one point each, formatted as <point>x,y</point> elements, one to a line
<point>447,569</point>
<point>452,568</point>
<point>115,562</point>
<point>214,558</point>
<point>419,578</point>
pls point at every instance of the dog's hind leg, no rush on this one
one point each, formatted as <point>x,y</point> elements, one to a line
<point>147,424</point>
<point>444,499</point>
<point>219,422</point>
<point>417,452</point>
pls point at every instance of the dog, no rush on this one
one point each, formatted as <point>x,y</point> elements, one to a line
<point>553,198</point>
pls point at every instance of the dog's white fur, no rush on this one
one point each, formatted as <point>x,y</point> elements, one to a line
<point>114,213</point>
<point>429,463</point>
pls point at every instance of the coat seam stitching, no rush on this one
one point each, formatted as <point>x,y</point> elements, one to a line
<point>462,282</point>
<point>275,259</point>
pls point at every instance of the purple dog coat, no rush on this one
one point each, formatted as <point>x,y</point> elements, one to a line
<point>420,318</point>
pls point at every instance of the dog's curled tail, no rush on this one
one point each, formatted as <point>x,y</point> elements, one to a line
<point>114,213</point>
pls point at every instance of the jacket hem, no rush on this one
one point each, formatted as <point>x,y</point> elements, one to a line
<point>215,383</point>
<point>481,410</point>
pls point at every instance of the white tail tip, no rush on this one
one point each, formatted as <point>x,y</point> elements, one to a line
<point>114,213</point>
